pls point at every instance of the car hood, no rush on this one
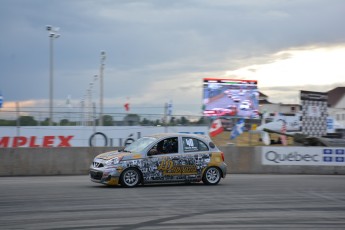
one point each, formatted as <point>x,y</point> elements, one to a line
<point>112,154</point>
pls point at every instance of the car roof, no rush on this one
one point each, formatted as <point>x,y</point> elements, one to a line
<point>166,135</point>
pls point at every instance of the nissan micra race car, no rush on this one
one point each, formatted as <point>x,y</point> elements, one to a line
<point>161,158</point>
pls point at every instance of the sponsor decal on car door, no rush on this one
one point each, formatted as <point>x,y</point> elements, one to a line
<point>163,167</point>
<point>197,154</point>
<point>177,165</point>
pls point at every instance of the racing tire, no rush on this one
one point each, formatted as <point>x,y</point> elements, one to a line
<point>130,178</point>
<point>211,176</point>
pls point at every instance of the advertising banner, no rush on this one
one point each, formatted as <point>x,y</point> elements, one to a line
<point>331,156</point>
<point>314,113</point>
<point>84,136</point>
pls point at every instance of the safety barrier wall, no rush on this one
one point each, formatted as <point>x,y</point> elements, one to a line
<point>47,161</point>
<point>76,161</point>
<point>249,160</point>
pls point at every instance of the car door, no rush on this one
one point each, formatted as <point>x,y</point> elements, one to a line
<point>196,157</point>
<point>164,162</point>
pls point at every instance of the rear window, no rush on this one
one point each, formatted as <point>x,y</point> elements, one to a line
<point>193,145</point>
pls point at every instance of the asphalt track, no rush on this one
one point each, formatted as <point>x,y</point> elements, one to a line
<point>238,202</point>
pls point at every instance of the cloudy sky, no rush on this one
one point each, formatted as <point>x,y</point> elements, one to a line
<point>160,50</point>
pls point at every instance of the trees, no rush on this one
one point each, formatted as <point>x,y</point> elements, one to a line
<point>27,121</point>
<point>64,122</point>
<point>184,121</point>
<point>131,119</point>
<point>146,121</point>
<point>108,120</point>
<point>46,122</point>
<point>172,121</point>
<point>7,122</point>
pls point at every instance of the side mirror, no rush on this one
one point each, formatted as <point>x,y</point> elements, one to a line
<point>152,152</point>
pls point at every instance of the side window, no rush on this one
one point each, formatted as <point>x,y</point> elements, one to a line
<point>202,146</point>
<point>169,145</point>
<point>193,145</point>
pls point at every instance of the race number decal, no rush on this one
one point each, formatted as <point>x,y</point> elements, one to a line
<point>190,145</point>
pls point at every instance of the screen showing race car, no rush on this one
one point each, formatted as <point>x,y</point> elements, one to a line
<point>230,97</point>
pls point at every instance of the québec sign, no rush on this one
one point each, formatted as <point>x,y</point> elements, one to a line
<point>334,156</point>
<point>33,141</point>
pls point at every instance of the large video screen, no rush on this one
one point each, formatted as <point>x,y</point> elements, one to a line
<point>230,97</point>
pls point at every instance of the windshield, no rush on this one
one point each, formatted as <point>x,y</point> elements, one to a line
<point>140,144</point>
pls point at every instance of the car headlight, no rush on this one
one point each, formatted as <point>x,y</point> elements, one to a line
<point>113,161</point>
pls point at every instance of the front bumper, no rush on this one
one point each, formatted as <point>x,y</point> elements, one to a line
<point>107,177</point>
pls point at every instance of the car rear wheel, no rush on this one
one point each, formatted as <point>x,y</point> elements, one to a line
<point>130,178</point>
<point>211,176</point>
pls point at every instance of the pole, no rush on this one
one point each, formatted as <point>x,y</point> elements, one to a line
<point>18,118</point>
<point>94,117</point>
<point>51,81</point>
<point>52,34</point>
<point>165,117</point>
<point>90,106</point>
<point>82,112</point>
<point>101,89</point>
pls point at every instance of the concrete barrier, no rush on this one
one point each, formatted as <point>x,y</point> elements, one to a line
<point>47,161</point>
<point>249,160</point>
<point>76,161</point>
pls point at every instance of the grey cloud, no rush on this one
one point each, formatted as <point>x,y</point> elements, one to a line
<point>149,41</point>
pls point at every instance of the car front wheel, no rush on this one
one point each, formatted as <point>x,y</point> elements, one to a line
<point>130,178</point>
<point>211,176</point>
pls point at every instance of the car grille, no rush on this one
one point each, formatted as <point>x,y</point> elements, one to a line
<point>96,175</point>
<point>97,164</point>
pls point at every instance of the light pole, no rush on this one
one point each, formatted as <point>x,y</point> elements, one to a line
<point>52,34</point>
<point>82,103</point>
<point>89,92</point>
<point>101,89</point>
<point>90,104</point>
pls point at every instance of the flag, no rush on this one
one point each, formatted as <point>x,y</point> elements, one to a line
<point>283,138</point>
<point>238,129</point>
<point>68,101</point>
<point>1,100</point>
<point>265,137</point>
<point>216,128</point>
<point>170,108</point>
<point>126,106</point>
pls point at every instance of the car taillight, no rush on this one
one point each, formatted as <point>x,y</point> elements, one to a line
<point>222,154</point>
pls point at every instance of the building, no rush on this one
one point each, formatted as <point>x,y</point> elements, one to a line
<point>336,105</point>
<point>266,106</point>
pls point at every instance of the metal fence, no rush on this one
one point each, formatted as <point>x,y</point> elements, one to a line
<point>85,117</point>
<point>35,116</point>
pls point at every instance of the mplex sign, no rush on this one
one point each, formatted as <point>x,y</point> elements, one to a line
<point>331,156</point>
<point>84,136</point>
